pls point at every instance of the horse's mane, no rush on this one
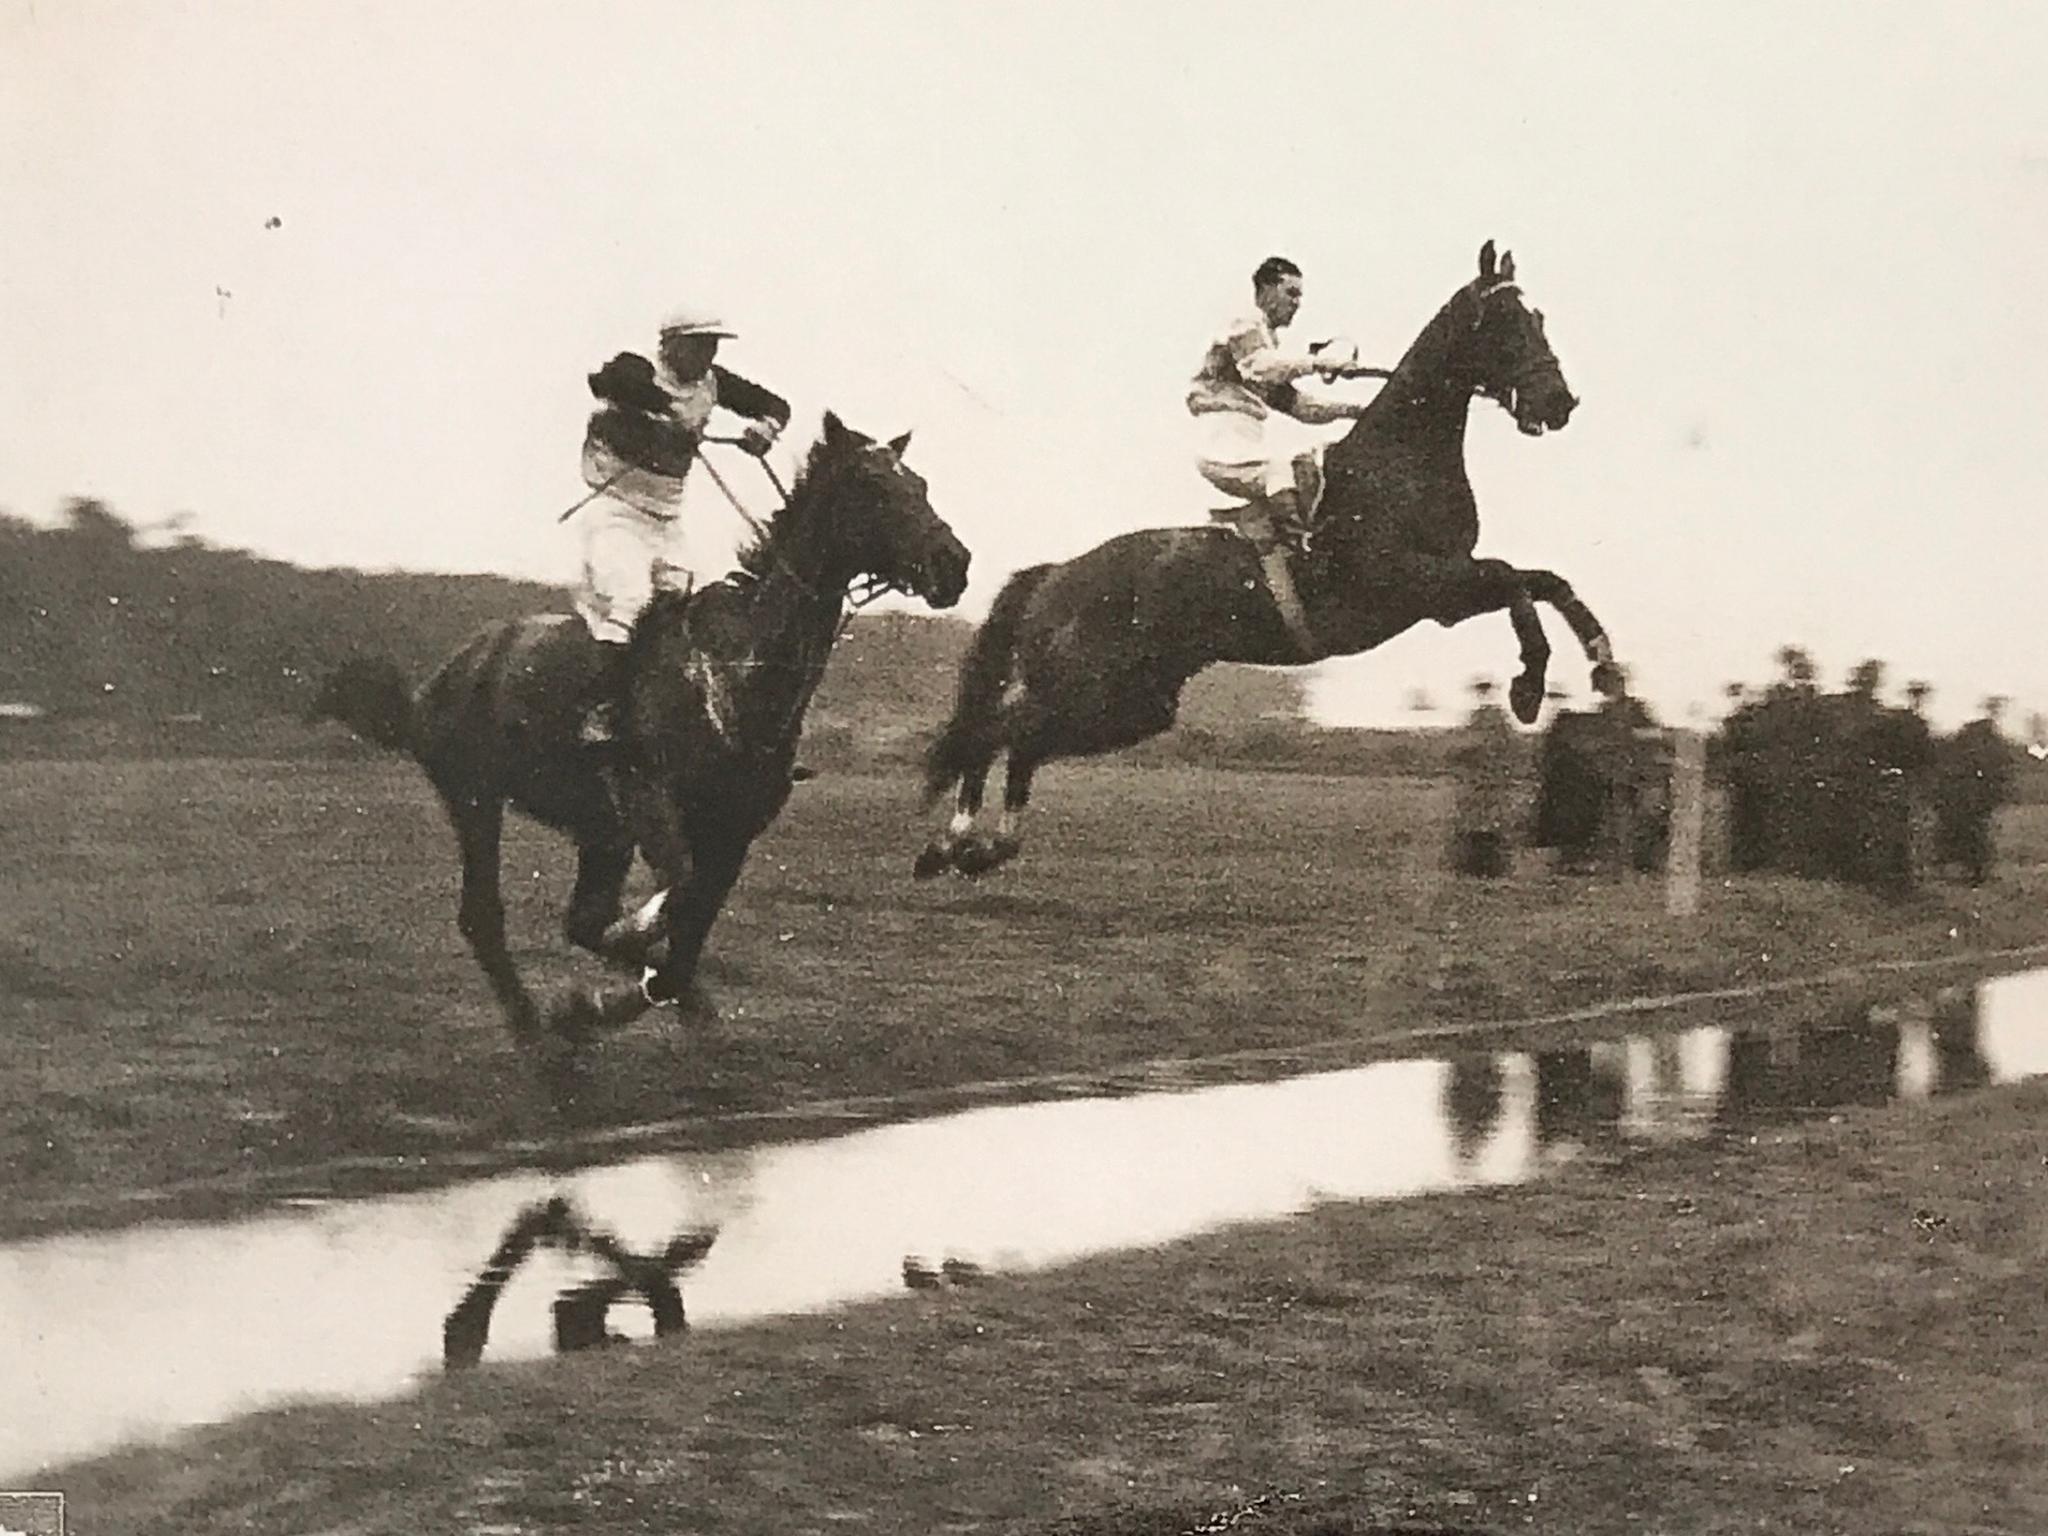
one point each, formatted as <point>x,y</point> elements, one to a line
<point>1428,342</point>
<point>757,558</point>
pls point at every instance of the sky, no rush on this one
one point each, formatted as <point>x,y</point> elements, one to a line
<point>327,279</point>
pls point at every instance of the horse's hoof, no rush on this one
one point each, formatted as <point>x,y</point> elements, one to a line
<point>933,859</point>
<point>1525,697</point>
<point>574,1018</point>
<point>699,1005</point>
<point>1608,681</point>
<point>984,854</point>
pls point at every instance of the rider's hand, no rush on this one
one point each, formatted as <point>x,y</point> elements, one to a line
<point>757,439</point>
<point>1332,358</point>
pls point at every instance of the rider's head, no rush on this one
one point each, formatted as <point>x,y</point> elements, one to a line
<point>689,341</point>
<point>1276,286</point>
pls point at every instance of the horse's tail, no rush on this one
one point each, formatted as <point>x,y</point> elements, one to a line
<point>984,674</point>
<point>371,697</point>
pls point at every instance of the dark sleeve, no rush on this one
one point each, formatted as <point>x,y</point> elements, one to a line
<point>658,443</point>
<point>744,397</point>
<point>628,381</point>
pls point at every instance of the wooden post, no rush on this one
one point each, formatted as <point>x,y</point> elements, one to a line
<point>1688,820</point>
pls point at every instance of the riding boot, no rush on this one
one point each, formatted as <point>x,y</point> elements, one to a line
<point>1261,526</point>
<point>600,726</point>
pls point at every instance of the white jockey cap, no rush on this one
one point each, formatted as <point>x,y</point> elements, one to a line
<point>692,322</point>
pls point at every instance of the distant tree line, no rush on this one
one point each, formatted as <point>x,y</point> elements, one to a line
<point>94,623</point>
<point>112,631</point>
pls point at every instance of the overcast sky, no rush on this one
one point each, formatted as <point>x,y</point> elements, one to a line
<point>1791,255</point>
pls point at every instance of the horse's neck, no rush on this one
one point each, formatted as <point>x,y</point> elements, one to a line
<point>793,613</point>
<point>794,617</point>
<point>1397,478</point>
<point>1427,397</point>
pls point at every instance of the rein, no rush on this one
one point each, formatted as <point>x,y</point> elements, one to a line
<point>855,598</point>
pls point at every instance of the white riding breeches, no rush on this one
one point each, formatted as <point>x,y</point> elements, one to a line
<point>628,556</point>
<point>1236,454</point>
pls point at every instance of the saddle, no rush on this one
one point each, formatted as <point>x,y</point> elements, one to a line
<point>1276,561</point>
<point>1291,533</point>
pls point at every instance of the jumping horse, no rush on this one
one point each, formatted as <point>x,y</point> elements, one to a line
<point>719,680</point>
<point>1090,655</point>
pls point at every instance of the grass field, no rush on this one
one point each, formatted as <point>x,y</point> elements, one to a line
<point>229,971</point>
<point>213,971</point>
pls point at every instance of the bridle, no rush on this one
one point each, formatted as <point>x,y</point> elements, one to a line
<point>857,595</point>
<point>1505,393</point>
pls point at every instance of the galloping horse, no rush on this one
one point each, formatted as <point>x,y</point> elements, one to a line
<point>720,681</point>
<point>1090,655</point>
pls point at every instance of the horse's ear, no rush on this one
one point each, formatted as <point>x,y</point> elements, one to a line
<point>1486,259</point>
<point>900,445</point>
<point>835,429</point>
<point>1507,266</point>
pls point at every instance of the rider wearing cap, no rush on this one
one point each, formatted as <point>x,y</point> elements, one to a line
<point>637,452</point>
<point>1245,376</point>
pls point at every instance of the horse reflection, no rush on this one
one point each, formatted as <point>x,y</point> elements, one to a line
<point>582,1312</point>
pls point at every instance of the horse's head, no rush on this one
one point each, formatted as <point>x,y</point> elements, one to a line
<point>1510,358</point>
<point>884,525</point>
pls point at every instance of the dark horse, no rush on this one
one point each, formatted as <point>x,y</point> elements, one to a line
<point>1091,655</point>
<point>720,680</point>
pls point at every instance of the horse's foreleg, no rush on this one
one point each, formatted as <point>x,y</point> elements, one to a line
<point>693,906</point>
<point>479,823</point>
<point>592,921</point>
<point>1457,590</point>
<point>1549,587</point>
<point>1525,692</point>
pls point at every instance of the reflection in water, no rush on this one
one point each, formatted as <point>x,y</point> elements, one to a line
<point>1473,1096</point>
<point>582,1310</point>
<point>356,1299</point>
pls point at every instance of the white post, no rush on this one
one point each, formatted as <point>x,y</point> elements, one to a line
<point>1688,819</point>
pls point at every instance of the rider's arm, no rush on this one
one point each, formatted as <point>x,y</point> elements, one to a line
<point>743,397</point>
<point>1263,365</point>
<point>1316,412</point>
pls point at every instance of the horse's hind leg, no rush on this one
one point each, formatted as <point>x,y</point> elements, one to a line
<point>944,850</point>
<point>1132,709</point>
<point>479,823</point>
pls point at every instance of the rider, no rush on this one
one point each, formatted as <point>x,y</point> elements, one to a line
<point>1244,378</point>
<point>637,452</point>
